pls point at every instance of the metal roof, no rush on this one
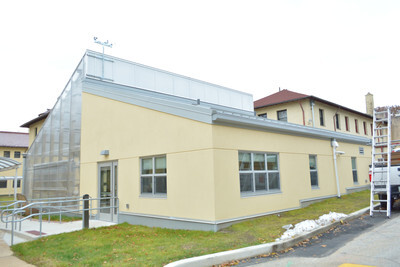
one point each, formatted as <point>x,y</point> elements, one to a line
<point>8,164</point>
<point>209,113</point>
<point>14,139</point>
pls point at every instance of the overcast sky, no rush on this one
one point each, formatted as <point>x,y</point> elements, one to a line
<point>335,50</point>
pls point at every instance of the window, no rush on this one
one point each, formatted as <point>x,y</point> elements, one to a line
<point>35,131</point>
<point>321,117</point>
<point>372,130</point>
<point>337,121</point>
<point>354,169</point>
<point>313,171</point>
<point>17,154</point>
<point>18,183</point>
<point>361,150</point>
<point>356,125</point>
<point>346,120</point>
<point>3,184</point>
<point>263,115</point>
<point>365,127</point>
<point>259,172</point>
<point>282,115</point>
<point>6,154</point>
<point>153,179</point>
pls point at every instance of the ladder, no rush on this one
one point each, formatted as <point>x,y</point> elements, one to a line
<point>381,161</point>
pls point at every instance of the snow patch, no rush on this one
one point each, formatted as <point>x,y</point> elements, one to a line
<point>309,225</point>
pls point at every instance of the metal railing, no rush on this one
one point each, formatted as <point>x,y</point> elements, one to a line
<point>57,206</point>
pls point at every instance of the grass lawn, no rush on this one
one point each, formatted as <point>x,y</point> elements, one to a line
<point>126,244</point>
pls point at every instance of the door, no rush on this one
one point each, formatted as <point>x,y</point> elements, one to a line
<point>108,190</point>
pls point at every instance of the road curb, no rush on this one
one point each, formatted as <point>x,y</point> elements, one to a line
<point>253,251</point>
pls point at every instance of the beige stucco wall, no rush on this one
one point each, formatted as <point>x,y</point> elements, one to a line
<point>294,170</point>
<point>130,132</point>
<point>202,162</point>
<point>37,125</point>
<point>295,115</point>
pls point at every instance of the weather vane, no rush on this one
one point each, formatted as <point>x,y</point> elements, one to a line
<point>103,44</point>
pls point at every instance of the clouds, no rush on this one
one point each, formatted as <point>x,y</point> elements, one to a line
<point>335,50</point>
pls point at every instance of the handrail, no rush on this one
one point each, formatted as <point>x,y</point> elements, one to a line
<point>45,209</point>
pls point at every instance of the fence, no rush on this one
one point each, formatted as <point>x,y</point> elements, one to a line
<point>15,212</point>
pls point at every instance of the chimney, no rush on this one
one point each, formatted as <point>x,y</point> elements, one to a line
<point>369,103</point>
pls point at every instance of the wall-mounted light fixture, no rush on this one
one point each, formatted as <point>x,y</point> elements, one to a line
<point>105,152</point>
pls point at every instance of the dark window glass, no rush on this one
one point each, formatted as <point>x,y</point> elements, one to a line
<point>282,115</point>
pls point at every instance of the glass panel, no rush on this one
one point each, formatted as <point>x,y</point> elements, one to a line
<point>105,188</point>
<point>355,178</point>
<point>261,181</point>
<point>273,181</point>
<point>147,166</point>
<point>314,178</point>
<point>147,185</point>
<point>259,162</point>
<point>282,115</point>
<point>246,182</point>
<point>313,162</point>
<point>58,145</point>
<point>272,162</point>
<point>244,161</point>
<point>115,188</point>
<point>161,165</point>
<point>161,184</point>
<point>3,184</point>
<point>353,163</point>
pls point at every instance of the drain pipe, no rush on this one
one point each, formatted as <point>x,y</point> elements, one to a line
<point>334,145</point>
<point>312,112</point>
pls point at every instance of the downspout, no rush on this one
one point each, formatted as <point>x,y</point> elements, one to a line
<point>302,109</point>
<point>312,112</point>
<point>15,184</point>
<point>334,145</point>
<point>23,174</point>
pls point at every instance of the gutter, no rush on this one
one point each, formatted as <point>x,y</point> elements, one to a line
<point>264,124</point>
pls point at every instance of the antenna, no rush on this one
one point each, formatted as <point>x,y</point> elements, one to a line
<point>103,44</point>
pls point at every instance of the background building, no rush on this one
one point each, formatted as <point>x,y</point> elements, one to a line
<point>12,145</point>
<point>312,111</point>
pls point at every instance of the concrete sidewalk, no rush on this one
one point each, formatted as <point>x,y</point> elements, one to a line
<point>30,230</point>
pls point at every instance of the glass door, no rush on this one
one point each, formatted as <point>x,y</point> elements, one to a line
<point>108,186</point>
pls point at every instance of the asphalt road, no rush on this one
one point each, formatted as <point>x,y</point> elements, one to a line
<point>365,241</point>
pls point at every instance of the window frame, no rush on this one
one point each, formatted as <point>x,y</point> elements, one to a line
<point>17,153</point>
<point>356,125</point>
<point>280,112</point>
<point>6,154</point>
<point>263,115</point>
<point>314,186</point>
<point>321,117</point>
<point>2,183</point>
<point>346,121</point>
<point>365,127</point>
<point>354,169</point>
<point>18,183</point>
<point>337,121</point>
<point>153,177</point>
<point>268,172</point>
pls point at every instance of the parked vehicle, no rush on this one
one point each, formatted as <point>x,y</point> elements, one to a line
<point>380,179</point>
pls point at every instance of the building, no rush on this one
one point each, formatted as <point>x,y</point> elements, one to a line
<point>312,111</point>
<point>183,153</point>
<point>35,125</point>
<point>12,146</point>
